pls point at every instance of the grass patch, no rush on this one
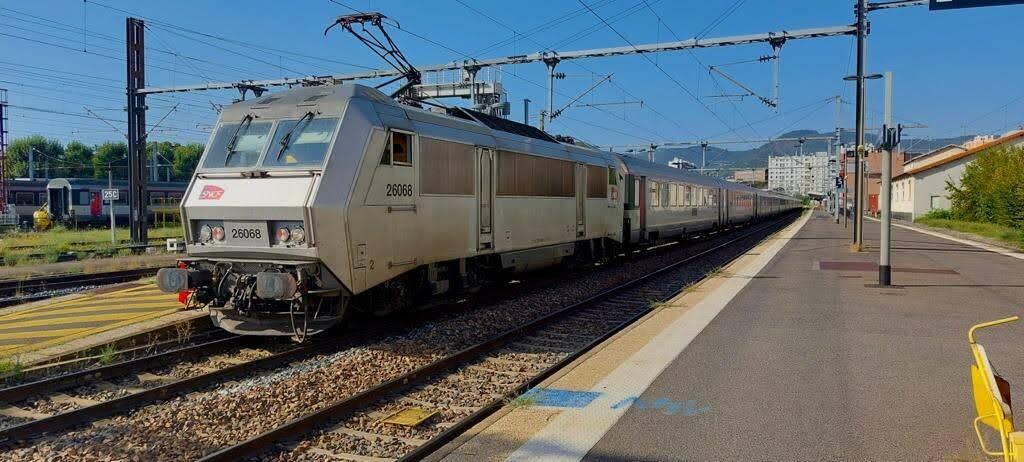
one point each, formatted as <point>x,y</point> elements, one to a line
<point>32,248</point>
<point>11,368</point>
<point>655,304</point>
<point>1012,236</point>
<point>525,400</point>
<point>108,354</point>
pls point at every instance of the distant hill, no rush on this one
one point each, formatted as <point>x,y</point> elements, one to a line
<point>718,157</point>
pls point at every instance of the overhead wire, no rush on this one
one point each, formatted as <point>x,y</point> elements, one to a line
<point>610,81</point>
<point>663,71</point>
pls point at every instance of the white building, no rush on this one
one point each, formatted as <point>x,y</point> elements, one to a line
<point>801,174</point>
<point>922,185</point>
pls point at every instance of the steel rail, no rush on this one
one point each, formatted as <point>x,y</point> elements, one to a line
<point>9,288</point>
<point>88,414</point>
<point>83,377</point>
<point>301,425</point>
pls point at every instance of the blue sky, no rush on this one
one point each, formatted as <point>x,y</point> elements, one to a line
<point>955,71</point>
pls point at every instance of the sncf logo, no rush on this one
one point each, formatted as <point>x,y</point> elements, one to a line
<point>211,192</point>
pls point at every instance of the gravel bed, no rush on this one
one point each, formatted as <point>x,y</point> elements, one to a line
<point>122,386</point>
<point>191,426</point>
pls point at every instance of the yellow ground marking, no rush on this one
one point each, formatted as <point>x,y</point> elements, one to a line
<point>39,333</point>
<point>91,304</point>
<point>73,300</point>
<point>84,332</point>
<point>156,304</point>
<point>56,322</point>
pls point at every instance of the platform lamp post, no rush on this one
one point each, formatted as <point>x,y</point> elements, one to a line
<point>859,148</point>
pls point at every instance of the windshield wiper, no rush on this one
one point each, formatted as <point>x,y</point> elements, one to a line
<point>286,140</point>
<point>234,138</point>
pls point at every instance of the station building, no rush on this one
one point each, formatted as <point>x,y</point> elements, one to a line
<point>921,187</point>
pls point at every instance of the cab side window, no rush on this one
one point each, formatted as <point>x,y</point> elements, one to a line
<point>397,150</point>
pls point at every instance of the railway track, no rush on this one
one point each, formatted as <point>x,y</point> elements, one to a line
<point>52,404</point>
<point>459,390</point>
<point>368,372</point>
<point>36,288</point>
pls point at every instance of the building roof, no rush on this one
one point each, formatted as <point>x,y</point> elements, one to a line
<point>969,152</point>
<point>933,152</point>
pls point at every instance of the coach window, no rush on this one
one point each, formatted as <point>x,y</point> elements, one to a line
<point>82,198</point>
<point>25,198</point>
<point>654,194</point>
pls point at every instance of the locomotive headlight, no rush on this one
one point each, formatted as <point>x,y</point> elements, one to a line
<point>205,233</point>
<point>298,235</point>
<point>283,235</point>
<point>218,233</point>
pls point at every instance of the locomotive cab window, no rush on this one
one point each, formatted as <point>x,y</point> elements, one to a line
<point>301,143</point>
<point>397,150</point>
<point>238,144</point>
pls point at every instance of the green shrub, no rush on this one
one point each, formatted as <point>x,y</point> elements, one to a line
<point>939,214</point>
<point>991,189</point>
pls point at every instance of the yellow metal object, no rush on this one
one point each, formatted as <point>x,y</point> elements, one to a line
<point>409,417</point>
<point>992,403</point>
<point>41,220</point>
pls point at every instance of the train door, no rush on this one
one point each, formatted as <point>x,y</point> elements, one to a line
<point>485,198</point>
<point>581,200</point>
<point>641,195</point>
<point>58,201</point>
<point>723,210</point>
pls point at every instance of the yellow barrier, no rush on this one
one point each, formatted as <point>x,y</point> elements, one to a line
<point>992,399</point>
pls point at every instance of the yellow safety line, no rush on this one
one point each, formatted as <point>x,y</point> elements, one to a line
<point>41,333</point>
<point>155,304</point>
<point>87,332</point>
<point>65,302</point>
<point>56,323</point>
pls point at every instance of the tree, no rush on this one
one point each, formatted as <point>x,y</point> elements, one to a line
<point>77,160</point>
<point>186,158</point>
<point>991,189</point>
<point>114,154</point>
<point>46,152</point>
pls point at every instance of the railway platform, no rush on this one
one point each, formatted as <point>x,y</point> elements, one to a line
<point>53,327</point>
<point>791,352</point>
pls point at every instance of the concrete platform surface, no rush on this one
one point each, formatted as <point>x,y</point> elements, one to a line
<point>806,361</point>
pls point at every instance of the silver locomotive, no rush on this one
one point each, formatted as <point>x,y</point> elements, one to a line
<point>313,201</point>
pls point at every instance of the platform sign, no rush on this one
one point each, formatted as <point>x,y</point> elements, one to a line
<point>111,194</point>
<point>957,4</point>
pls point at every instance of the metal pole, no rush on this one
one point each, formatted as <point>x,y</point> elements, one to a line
<point>839,148</point>
<point>703,155</point>
<point>136,109</point>
<point>472,86</point>
<point>858,194</point>
<point>526,111</point>
<point>31,163</point>
<point>154,173</point>
<point>551,63</point>
<point>110,206</point>
<point>884,199</point>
